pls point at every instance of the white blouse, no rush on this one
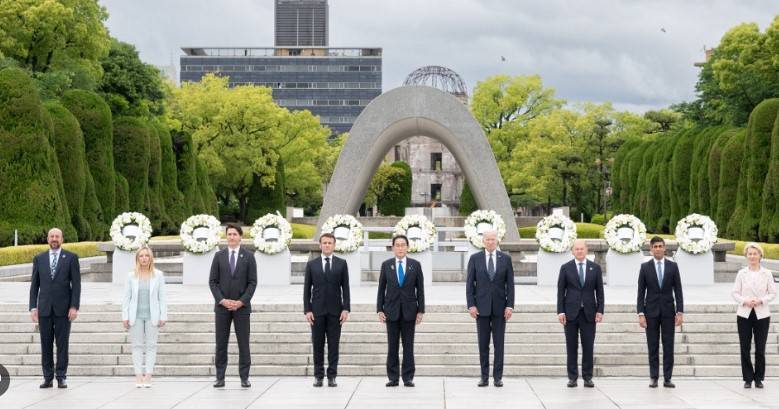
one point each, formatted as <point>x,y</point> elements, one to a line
<point>754,284</point>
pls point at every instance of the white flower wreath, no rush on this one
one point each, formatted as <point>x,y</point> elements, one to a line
<point>556,233</point>
<point>130,230</point>
<point>200,233</point>
<point>480,221</point>
<point>625,233</point>
<point>272,234</point>
<point>347,231</point>
<point>420,231</point>
<point>696,233</point>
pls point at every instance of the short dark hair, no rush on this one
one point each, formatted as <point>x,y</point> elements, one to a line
<point>328,235</point>
<point>234,226</point>
<point>399,236</point>
<point>656,239</point>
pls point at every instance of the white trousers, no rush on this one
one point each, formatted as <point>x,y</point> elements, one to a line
<point>144,340</point>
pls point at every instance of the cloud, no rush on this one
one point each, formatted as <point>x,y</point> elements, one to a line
<point>588,51</point>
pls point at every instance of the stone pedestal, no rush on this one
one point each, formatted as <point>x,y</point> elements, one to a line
<point>622,269</point>
<point>274,269</point>
<point>548,266</point>
<point>425,258</point>
<point>197,267</point>
<point>355,268</point>
<point>122,264</point>
<point>695,269</point>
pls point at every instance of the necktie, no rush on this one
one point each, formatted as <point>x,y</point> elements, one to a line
<point>232,262</point>
<point>581,274</point>
<point>327,266</point>
<point>54,264</point>
<point>660,273</point>
<point>401,274</point>
<point>491,267</point>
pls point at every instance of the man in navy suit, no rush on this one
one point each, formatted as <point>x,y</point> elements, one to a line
<point>489,293</point>
<point>659,285</point>
<point>579,309</point>
<point>400,304</point>
<point>55,294</point>
<point>232,280</point>
<point>326,305</point>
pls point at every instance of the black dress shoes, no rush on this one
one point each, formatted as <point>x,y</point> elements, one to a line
<point>572,383</point>
<point>759,384</point>
<point>668,384</point>
<point>62,384</point>
<point>245,383</point>
<point>747,385</point>
<point>653,384</point>
<point>318,382</point>
<point>391,384</point>
<point>410,384</point>
<point>483,383</point>
<point>498,383</point>
<point>588,383</point>
<point>220,383</point>
<point>331,382</point>
<point>46,384</point>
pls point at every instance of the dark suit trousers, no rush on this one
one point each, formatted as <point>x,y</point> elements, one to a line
<point>242,325</point>
<point>326,326</point>
<point>54,328</point>
<point>395,331</point>
<point>746,328</point>
<point>494,325</point>
<point>573,330</point>
<point>654,328</point>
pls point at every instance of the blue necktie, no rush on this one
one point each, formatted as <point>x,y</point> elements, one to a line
<point>581,274</point>
<point>401,274</point>
<point>660,273</point>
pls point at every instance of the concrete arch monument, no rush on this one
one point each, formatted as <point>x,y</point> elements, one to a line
<point>411,111</point>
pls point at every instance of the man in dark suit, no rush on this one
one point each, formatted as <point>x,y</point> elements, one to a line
<point>233,280</point>
<point>579,309</point>
<point>659,285</point>
<point>489,292</point>
<point>55,294</point>
<point>400,304</point>
<point>326,304</point>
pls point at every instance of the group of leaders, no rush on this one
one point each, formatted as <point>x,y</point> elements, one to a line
<point>56,288</point>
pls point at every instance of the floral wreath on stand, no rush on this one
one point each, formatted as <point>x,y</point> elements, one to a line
<point>556,233</point>
<point>347,231</point>
<point>272,233</point>
<point>696,233</point>
<point>480,221</point>
<point>200,233</point>
<point>625,233</point>
<point>130,230</point>
<point>421,232</point>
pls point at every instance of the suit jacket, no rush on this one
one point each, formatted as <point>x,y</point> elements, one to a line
<point>239,286</point>
<point>490,297</point>
<point>571,295</point>
<point>653,301</point>
<point>401,303</point>
<point>158,305</point>
<point>754,284</point>
<point>57,296</point>
<point>326,294</point>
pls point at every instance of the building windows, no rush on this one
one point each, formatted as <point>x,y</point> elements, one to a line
<point>435,191</point>
<point>436,161</point>
<point>281,68</point>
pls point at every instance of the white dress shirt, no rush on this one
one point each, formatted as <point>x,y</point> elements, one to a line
<point>494,259</point>
<point>324,262</point>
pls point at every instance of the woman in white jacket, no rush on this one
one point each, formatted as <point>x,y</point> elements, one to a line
<point>753,290</point>
<point>144,312</point>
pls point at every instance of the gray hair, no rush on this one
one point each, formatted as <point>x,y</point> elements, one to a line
<point>752,245</point>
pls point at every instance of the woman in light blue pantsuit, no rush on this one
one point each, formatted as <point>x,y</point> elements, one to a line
<point>144,312</point>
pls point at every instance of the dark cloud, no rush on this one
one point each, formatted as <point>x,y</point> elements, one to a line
<point>637,54</point>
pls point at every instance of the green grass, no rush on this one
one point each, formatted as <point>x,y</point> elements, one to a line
<point>24,254</point>
<point>583,231</point>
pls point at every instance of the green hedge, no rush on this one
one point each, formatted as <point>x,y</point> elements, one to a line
<point>396,204</point>
<point>132,158</point>
<point>715,158</point>
<point>31,193</point>
<point>467,202</point>
<point>122,196</point>
<point>94,118</point>
<point>171,195</point>
<point>207,191</point>
<point>187,174</point>
<point>24,254</point>
<point>157,214</point>
<point>267,199</point>
<point>769,221</point>
<point>583,231</point>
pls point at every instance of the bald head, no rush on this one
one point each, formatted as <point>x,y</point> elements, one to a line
<point>54,238</point>
<point>490,240</point>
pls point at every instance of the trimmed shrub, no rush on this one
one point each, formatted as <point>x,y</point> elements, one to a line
<point>132,158</point>
<point>769,222</point>
<point>395,204</point>
<point>171,195</point>
<point>122,197</point>
<point>207,192</point>
<point>680,175</point>
<point>93,212</point>
<point>731,186</point>
<point>467,201</point>
<point>31,193</point>
<point>713,171</point>
<point>94,118</point>
<point>642,189</point>
<point>664,183</point>
<point>267,199</point>
<point>159,217</point>
<point>186,166</point>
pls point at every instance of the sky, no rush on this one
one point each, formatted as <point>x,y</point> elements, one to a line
<point>639,55</point>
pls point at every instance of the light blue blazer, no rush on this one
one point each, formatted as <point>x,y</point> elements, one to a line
<point>158,304</point>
